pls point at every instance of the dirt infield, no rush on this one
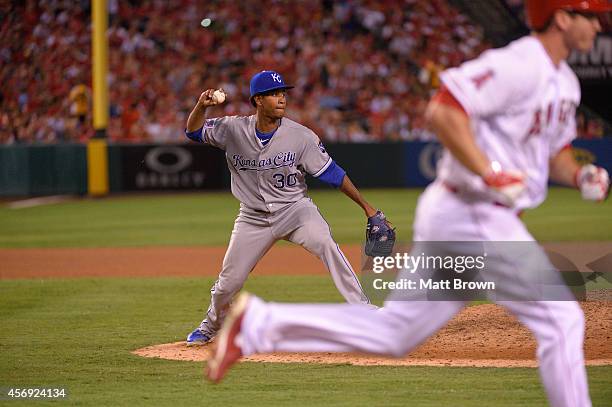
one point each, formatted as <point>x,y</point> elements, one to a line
<point>201,261</point>
<point>152,262</point>
<point>484,335</point>
<point>480,336</point>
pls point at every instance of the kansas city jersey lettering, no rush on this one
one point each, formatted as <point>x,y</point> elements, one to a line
<point>267,178</point>
<point>284,159</point>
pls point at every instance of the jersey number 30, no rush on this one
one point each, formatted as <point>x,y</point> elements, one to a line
<point>281,181</point>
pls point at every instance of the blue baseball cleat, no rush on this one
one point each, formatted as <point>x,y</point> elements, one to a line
<point>199,337</point>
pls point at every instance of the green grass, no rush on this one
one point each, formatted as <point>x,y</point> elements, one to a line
<point>207,218</point>
<point>78,333</point>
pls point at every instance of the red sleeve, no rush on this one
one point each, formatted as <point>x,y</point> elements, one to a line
<point>445,97</point>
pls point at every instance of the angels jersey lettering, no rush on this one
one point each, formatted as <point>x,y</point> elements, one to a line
<point>522,114</point>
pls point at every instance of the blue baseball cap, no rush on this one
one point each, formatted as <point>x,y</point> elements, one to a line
<point>265,81</point>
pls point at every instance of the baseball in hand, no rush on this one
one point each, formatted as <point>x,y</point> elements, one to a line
<point>218,96</point>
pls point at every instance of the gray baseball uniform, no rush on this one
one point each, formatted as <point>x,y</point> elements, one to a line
<point>269,182</point>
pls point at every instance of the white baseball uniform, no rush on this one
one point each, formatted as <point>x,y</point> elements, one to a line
<point>269,181</point>
<point>522,111</point>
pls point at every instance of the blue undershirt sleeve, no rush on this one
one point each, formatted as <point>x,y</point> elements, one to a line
<point>195,135</point>
<point>333,175</point>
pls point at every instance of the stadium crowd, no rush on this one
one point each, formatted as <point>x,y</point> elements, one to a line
<point>363,69</point>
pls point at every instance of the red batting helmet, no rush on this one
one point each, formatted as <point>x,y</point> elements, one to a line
<point>540,11</point>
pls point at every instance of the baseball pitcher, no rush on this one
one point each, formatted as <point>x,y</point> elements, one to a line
<point>505,120</point>
<point>269,156</point>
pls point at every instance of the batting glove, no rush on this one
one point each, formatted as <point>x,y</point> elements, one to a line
<point>509,184</point>
<point>593,182</point>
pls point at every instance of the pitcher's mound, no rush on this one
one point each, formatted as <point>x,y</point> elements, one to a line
<point>480,336</point>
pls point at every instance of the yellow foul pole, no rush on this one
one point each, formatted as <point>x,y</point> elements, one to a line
<point>97,152</point>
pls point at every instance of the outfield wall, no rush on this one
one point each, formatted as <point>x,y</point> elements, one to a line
<point>43,170</point>
<point>61,169</point>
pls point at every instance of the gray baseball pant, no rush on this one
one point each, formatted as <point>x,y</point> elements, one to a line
<point>254,234</point>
